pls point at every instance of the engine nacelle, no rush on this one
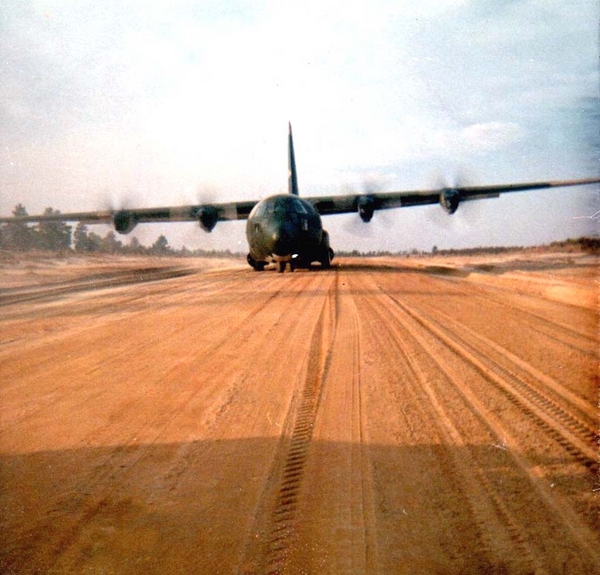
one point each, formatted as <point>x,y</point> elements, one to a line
<point>366,207</point>
<point>124,221</point>
<point>450,199</point>
<point>208,216</point>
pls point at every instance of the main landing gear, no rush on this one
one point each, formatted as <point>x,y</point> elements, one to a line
<point>326,258</point>
<point>257,266</point>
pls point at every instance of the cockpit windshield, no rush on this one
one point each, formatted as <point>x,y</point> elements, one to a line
<point>278,205</point>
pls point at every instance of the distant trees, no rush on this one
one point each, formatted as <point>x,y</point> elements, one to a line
<point>110,244</point>
<point>18,236</point>
<point>85,242</point>
<point>48,235</point>
<point>55,235</point>
<point>89,242</point>
<point>51,235</point>
<point>161,246</point>
<point>135,247</point>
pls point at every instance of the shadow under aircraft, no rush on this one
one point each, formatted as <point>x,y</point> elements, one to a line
<point>286,229</point>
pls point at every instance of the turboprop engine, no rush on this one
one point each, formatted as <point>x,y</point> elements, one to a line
<point>366,207</point>
<point>450,199</point>
<point>207,218</point>
<point>124,221</point>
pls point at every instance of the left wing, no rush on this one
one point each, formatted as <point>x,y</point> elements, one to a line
<point>449,198</point>
<point>124,220</point>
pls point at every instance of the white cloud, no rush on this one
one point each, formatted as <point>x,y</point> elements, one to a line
<point>490,136</point>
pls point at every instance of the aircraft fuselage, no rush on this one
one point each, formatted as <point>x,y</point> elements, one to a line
<point>285,228</point>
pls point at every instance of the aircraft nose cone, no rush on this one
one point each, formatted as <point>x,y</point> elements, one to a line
<point>283,239</point>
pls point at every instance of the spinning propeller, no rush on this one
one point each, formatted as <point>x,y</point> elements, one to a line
<point>366,209</point>
<point>451,199</point>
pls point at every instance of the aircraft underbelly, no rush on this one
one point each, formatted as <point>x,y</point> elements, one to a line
<point>262,249</point>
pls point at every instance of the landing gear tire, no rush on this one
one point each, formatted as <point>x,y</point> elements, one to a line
<point>281,267</point>
<point>257,266</point>
<point>326,260</point>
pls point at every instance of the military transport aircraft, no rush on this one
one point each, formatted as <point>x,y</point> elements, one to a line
<point>286,229</point>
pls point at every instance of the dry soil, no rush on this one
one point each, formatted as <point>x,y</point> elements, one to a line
<point>427,416</point>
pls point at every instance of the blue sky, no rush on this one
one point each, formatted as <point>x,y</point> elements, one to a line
<point>148,103</point>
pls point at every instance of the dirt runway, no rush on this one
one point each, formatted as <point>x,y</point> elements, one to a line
<point>426,416</point>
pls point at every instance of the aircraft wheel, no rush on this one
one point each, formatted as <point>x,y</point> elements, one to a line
<point>281,267</point>
<point>256,266</point>
<point>326,261</point>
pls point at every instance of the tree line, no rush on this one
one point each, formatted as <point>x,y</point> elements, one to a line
<point>58,236</point>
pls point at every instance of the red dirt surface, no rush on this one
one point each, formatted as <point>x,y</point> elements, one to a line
<point>385,416</point>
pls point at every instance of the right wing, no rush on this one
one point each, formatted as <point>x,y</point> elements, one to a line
<point>449,198</point>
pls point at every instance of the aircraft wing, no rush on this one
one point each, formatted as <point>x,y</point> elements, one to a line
<point>125,219</point>
<point>448,197</point>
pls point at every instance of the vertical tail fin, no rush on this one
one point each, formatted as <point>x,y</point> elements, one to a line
<point>292,175</point>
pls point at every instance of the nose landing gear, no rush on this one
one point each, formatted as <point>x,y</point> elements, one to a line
<point>282,261</point>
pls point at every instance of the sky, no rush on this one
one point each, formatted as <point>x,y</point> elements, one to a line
<point>147,103</point>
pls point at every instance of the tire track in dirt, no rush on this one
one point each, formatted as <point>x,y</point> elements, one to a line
<point>521,306</point>
<point>116,462</point>
<point>117,279</point>
<point>558,507</point>
<point>360,555</point>
<point>276,517</point>
<point>337,532</point>
<point>108,297</point>
<point>295,424</point>
<point>241,320</point>
<point>501,537</point>
<point>570,424</point>
<point>85,500</point>
<point>219,409</point>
